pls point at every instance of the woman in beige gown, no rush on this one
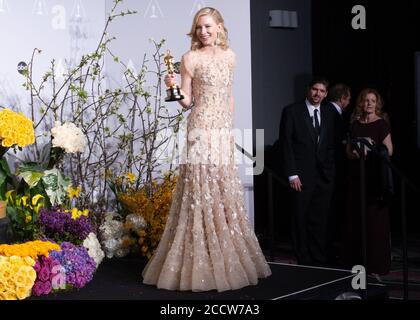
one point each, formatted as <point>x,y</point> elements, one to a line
<point>208,242</point>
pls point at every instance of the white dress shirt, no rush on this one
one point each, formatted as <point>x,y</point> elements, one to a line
<point>339,110</point>
<point>311,109</point>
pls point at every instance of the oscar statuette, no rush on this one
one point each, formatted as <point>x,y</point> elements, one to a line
<point>173,92</point>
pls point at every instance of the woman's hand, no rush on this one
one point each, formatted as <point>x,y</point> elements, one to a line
<point>170,80</point>
<point>355,155</point>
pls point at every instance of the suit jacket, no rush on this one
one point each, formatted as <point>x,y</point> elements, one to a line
<point>341,133</point>
<point>301,153</point>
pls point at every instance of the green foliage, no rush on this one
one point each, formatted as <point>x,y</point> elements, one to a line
<point>56,186</point>
<point>6,178</point>
<point>23,212</point>
<point>52,184</point>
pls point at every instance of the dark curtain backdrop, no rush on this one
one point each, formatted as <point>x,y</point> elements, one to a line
<point>382,57</point>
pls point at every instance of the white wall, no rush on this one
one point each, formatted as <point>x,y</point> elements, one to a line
<point>62,29</point>
<point>65,29</point>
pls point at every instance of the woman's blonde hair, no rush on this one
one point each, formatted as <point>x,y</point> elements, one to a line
<point>222,36</point>
<point>358,110</point>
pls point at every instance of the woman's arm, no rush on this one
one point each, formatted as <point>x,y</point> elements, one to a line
<point>388,143</point>
<point>186,89</point>
<point>186,83</point>
<point>351,153</point>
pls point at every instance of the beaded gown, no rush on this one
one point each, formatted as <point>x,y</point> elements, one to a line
<point>208,242</point>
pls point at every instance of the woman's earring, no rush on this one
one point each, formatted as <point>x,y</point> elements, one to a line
<point>218,39</point>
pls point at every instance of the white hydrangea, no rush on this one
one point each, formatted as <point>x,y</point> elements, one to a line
<point>112,233</point>
<point>68,137</point>
<point>91,243</point>
<point>112,229</point>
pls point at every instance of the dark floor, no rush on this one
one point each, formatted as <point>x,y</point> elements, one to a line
<point>120,279</point>
<point>394,280</point>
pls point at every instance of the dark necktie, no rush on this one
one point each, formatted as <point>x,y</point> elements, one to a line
<point>317,127</point>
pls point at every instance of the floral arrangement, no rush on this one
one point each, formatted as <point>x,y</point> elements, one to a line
<point>23,212</point>
<point>122,184</point>
<point>153,209</point>
<point>17,277</point>
<point>49,276</point>
<point>112,232</point>
<point>93,247</point>
<point>59,224</point>
<point>32,249</point>
<point>15,129</point>
<point>79,267</point>
<point>68,137</point>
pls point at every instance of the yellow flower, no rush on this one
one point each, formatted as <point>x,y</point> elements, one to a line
<point>74,193</point>
<point>28,219</point>
<point>24,200</point>
<point>30,274</point>
<point>10,284</point>
<point>31,249</point>
<point>9,197</point>
<point>9,295</point>
<point>75,213</point>
<point>5,274</point>
<point>15,129</point>
<point>15,260</point>
<point>22,292</point>
<point>36,198</point>
<point>85,212</point>
<point>19,279</point>
<point>131,177</point>
<point>29,261</point>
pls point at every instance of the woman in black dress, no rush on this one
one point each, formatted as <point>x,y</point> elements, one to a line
<point>368,122</point>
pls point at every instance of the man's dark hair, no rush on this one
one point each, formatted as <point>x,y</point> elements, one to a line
<point>320,80</point>
<point>336,92</point>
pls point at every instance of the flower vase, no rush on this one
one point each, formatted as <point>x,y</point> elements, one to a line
<point>3,209</point>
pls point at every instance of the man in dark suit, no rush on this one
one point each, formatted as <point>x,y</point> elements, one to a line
<point>307,152</point>
<point>339,97</point>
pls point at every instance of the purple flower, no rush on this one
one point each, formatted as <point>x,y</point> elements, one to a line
<point>47,287</point>
<point>46,269</point>
<point>44,274</point>
<point>37,266</point>
<point>55,267</point>
<point>59,225</point>
<point>38,288</point>
<point>58,281</point>
<point>78,265</point>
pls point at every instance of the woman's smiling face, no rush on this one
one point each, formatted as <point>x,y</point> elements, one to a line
<point>206,30</point>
